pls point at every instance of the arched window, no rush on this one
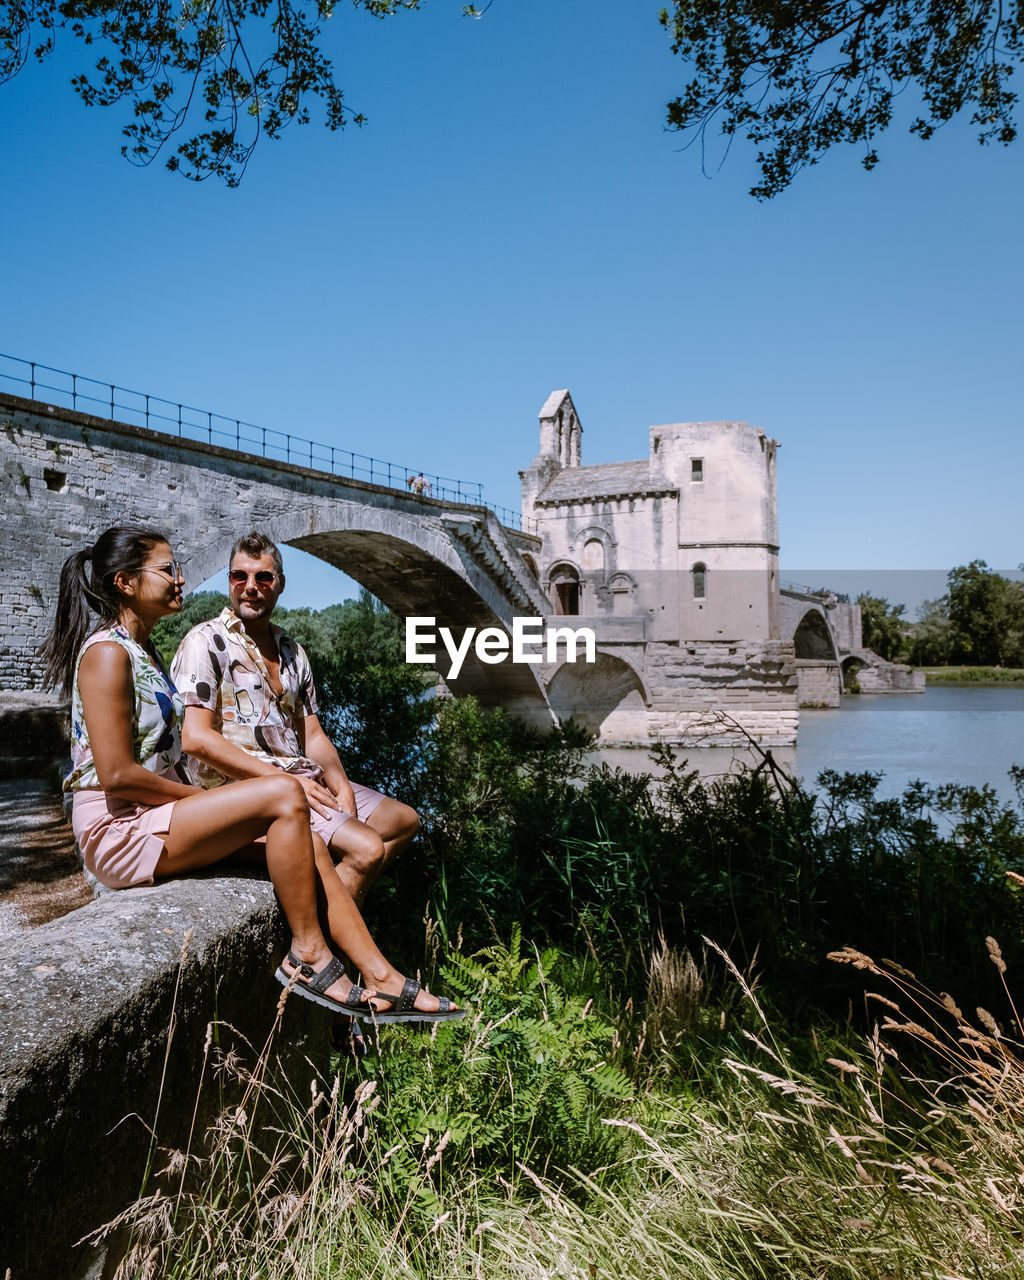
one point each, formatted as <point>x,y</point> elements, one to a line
<point>699,573</point>
<point>565,589</point>
<point>593,556</point>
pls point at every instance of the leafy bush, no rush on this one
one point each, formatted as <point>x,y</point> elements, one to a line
<point>520,829</point>
<point>769,1155</point>
<point>593,858</point>
<point>525,1080</point>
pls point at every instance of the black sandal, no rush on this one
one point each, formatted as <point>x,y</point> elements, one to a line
<point>314,983</point>
<point>403,1007</point>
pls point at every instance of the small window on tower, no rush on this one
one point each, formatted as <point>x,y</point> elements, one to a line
<point>593,556</point>
<point>567,595</point>
<point>697,469</point>
<point>565,585</point>
<point>699,572</point>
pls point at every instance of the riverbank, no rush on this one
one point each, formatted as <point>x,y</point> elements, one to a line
<point>560,1134</point>
<point>612,1040</point>
<point>974,675</point>
<point>964,733</point>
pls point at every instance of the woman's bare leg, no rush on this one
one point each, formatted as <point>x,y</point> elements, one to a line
<point>207,827</point>
<point>349,931</point>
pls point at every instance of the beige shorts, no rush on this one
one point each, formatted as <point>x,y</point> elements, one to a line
<point>366,802</point>
<point>120,842</point>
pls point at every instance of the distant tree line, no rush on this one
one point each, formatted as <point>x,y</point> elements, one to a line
<point>357,647</point>
<point>978,622</point>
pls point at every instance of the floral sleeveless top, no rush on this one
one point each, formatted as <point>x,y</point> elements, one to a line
<point>156,722</point>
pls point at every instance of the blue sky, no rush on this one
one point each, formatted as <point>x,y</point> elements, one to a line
<point>514,218</point>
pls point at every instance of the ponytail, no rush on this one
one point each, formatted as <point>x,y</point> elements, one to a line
<point>80,596</point>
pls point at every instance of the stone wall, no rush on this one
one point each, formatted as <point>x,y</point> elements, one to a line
<point>820,683</point>
<point>845,619</point>
<point>716,694</point>
<point>701,693</point>
<point>106,1015</point>
<point>890,677</point>
<point>35,730</point>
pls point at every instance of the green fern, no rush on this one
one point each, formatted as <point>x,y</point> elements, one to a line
<point>526,1080</point>
<point>610,1082</point>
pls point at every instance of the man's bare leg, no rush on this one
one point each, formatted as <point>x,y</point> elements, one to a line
<point>349,932</point>
<point>366,848</point>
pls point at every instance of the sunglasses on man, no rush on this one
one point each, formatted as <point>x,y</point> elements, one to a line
<point>263,578</point>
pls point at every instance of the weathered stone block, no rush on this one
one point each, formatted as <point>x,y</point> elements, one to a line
<point>106,1015</point>
<point>820,683</point>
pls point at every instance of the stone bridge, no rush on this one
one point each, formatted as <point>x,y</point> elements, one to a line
<point>825,631</point>
<point>66,476</point>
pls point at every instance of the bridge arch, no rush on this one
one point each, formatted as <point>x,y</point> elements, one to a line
<point>399,557</point>
<point>813,638</point>
<point>417,571</point>
<point>607,696</point>
<point>849,669</point>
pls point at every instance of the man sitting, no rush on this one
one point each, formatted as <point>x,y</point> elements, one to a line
<point>250,708</point>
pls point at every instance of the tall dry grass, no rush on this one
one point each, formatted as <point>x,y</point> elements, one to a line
<point>900,1156</point>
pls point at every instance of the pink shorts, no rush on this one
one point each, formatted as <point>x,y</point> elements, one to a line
<point>120,842</point>
<point>366,802</point>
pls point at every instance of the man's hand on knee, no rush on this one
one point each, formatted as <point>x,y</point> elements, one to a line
<point>320,799</point>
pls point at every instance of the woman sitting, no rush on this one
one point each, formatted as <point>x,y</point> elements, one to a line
<point>136,819</point>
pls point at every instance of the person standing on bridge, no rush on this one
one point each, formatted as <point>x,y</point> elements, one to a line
<point>138,819</point>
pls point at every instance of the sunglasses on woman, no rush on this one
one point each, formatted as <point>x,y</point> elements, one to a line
<point>174,569</point>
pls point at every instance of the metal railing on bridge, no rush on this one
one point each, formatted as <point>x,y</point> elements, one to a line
<point>140,409</point>
<point>819,593</point>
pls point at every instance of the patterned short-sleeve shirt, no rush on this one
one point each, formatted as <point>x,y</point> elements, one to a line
<point>219,667</point>
<point>156,719</point>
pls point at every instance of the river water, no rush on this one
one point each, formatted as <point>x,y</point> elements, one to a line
<point>959,734</point>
